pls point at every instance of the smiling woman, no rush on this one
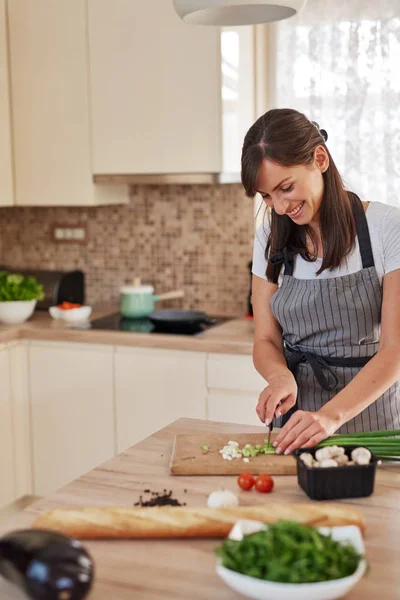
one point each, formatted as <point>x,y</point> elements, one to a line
<point>292,173</point>
<point>326,278</point>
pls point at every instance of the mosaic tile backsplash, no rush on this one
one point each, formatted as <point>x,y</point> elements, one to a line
<point>195,238</point>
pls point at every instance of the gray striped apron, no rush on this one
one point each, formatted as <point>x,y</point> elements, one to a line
<point>331,328</point>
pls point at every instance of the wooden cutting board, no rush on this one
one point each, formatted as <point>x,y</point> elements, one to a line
<point>188,458</point>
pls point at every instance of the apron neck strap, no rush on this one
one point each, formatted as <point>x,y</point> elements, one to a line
<point>364,239</point>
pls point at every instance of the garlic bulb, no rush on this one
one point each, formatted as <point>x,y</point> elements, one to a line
<point>222,498</point>
<point>361,456</point>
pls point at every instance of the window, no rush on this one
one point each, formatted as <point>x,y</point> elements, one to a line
<point>338,62</point>
<point>237,51</point>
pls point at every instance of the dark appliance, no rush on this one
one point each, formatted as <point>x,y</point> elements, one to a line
<point>58,286</point>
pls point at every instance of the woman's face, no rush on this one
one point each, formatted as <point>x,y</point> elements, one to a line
<point>294,191</point>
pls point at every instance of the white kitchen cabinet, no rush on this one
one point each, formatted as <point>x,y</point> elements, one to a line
<point>6,174</point>
<point>233,372</point>
<point>7,485</point>
<point>233,407</point>
<point>21,417</point>
<point>155,88</point>
<point>72,411</point>
<point>233,388</point>
<point>51,101</point>
<point>155,387</point>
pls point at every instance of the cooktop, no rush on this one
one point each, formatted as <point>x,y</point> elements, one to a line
<point>115,322</point>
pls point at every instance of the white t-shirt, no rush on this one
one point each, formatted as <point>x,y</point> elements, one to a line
<point>384,229</point>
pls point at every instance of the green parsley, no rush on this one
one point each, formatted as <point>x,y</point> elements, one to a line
<point>289,552</point>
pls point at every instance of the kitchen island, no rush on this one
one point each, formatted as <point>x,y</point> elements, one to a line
<point>185,569</point>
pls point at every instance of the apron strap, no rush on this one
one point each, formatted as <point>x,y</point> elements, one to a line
<point>285,256</point>
<point>364,239</point>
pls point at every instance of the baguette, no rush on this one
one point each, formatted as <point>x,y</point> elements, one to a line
<point>178,522</point>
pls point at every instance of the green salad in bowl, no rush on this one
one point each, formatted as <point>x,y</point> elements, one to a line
<point>17,288</point>
<point>289,560</point>
<point>289,553</point>
<point>18,297</point>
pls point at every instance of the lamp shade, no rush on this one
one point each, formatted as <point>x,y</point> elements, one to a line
<point>236,12</point>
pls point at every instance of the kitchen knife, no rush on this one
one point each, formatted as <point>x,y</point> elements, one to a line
<point>270,428</point>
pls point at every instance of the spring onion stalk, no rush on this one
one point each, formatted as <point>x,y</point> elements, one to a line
<point>384,444</point>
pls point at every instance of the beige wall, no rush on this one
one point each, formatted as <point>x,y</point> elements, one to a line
<point>198,238</point>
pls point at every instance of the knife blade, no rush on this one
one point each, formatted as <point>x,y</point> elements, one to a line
<point>270,428</point>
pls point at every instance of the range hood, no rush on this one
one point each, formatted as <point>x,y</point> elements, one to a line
<point>168,178</point>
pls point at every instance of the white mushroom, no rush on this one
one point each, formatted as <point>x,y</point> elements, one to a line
<point>328,462</point>
<point>337,451</point>
<point>323,453</point>
<point>307,459</point>
<point>329,452</point>
<point>361,456</point>
<point>316,464</point>
<point>342,460</point>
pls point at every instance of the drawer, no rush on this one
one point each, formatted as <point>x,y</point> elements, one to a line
<point>233,372</point>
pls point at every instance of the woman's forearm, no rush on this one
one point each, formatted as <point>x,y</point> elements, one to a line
<point>378,375</point>
<point>269,360</point>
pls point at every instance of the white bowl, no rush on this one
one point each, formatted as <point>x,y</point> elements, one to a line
<point>13,313</point>
<point>71,315</point>
<point>259,589</point>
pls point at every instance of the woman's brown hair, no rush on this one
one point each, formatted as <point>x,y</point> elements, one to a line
<point>287,137</point>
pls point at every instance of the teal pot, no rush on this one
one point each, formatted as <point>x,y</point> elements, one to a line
<point>137,301</point>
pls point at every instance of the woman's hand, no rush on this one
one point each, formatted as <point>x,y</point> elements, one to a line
<point>281,392</point>
<point>304,430</point>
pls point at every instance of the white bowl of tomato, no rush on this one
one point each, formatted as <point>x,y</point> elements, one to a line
<point>70,312</point>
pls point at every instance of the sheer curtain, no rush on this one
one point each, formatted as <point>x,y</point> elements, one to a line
<point>339,63</point>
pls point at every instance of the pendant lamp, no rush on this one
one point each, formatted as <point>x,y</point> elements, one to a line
<point>236,12</point>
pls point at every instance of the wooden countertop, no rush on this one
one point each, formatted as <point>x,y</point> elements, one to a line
<point>232,337</point>
<point>155,570</point>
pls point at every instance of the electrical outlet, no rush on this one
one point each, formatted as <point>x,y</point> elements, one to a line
<point>70,233</point>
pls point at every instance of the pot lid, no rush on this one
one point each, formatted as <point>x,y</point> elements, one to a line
<point>137,289</point>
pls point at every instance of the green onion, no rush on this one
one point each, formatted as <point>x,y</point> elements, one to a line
<point>384,444</point>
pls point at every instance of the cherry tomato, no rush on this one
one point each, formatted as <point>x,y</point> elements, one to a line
<point>68,305</point>
<point>246,481</point>
<point>264,484</point>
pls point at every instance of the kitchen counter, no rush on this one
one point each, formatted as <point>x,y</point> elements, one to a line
<point>183,569</point>
<point>232,337</point>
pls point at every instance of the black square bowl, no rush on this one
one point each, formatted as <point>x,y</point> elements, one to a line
<point>334,483</point>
